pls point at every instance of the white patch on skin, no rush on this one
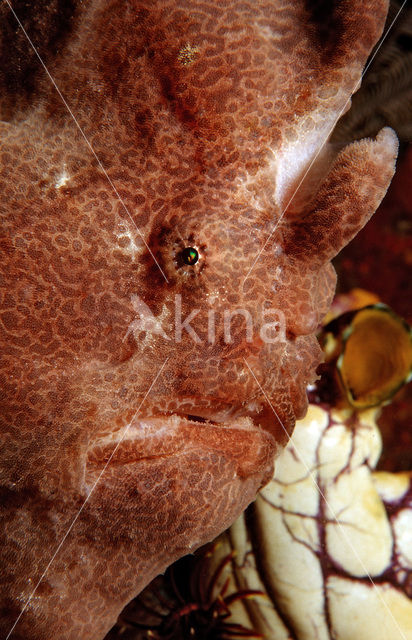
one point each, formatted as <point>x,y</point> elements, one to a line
<point>266,32</point>
<point>291,161</point>
<point>276,181</point>
<point>212,297</point>
<point>62,179</point>
<point>132,248</point>
<point>303,144</point>
<point>246,190</point>
<point>277,278</point>
<point>253,406</point>
<point>139,429</point>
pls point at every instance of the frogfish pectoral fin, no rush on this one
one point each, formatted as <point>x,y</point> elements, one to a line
<point>347,198</point>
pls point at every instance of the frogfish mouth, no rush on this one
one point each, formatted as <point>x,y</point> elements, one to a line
<point>170,205</point>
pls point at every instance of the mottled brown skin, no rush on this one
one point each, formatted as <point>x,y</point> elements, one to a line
<point>205,119</point>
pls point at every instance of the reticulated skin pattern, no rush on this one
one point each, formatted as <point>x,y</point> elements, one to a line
<point>179,171</point>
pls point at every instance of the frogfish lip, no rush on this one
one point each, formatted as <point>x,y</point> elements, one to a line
<point>169,434</point>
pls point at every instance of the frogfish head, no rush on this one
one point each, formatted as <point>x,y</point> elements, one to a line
<point>239,337</point>
<point>170,207</point>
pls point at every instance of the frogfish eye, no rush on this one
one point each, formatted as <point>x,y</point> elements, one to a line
<point>190,255</point>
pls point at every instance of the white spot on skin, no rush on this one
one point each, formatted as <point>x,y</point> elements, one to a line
<point>132,248</point>
<point>245,191</point>
<point>254,406</point>
<point>278,278</point>
<point>212,297</point>
<point>304,142</point>
<point>267,33</point>
<point>62,179</point>
<point>285,166</point>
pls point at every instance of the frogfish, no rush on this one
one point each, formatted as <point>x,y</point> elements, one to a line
<point>170,206</point>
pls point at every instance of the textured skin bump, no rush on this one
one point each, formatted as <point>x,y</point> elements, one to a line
<point>203,120</point>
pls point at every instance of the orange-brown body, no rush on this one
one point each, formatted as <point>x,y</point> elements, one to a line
<point>192,125</point>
